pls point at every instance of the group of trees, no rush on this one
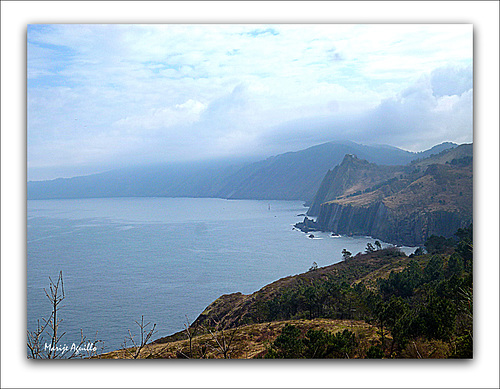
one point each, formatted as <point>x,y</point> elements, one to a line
<point>433,301</point>
<point>370,248</point>
<point>315,344</point>
<point>329,296</point>
<point>430,300</point>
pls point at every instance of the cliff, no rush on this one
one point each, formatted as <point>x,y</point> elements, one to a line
<point>402,205</point>
<point>380,304</point>
<point>237,309</point>
<point>353,176</point>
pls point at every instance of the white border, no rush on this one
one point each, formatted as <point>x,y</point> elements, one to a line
<point>482,372</point>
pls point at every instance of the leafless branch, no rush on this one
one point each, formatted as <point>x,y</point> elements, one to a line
<point>222,340</point>
<point>145,335</point>
<point>38,348</point>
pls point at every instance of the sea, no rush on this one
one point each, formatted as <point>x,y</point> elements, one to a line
<point>161,259</point>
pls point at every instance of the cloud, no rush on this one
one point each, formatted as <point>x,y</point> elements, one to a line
<point>132,92</point>
<point>415,119</point>
<point>180,114</point>
<point>451,80</point>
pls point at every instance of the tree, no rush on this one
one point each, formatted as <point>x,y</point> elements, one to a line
<point>222,340</point>
<point>419,251</point>
<point>38,348</point>
<point>144,335</point>
<point>369,248</point>
<point>464,246</point>
<point>438,244</point>
<point>343,344</point>
<point>287,345</point>
<point>401,283</point>
<point>374,352</point>
<point>346,255</point>
<point>434,269</point>
<point>190,334</point>
<point>391,314</point>
<point>455,265</point>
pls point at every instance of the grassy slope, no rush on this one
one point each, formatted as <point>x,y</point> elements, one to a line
<point>249,341</point>
<point>252,340</point>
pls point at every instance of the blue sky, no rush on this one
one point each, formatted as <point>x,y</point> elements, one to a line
<point>106,96</point>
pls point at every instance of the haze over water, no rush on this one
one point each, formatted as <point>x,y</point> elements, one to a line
<point>163,258</point>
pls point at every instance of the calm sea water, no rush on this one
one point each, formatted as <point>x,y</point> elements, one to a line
<point>163,258</point>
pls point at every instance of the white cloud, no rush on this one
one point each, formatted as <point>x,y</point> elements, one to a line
<point>162,90</point>
<point>180,114</point>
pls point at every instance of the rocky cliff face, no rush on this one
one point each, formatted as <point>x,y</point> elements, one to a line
<point>353,176</point>
<point>403,205</point>
<point>380,222</point>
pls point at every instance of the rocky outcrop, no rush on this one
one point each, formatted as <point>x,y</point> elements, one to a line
<point>307,225</point>
<point>352,177</point>
<point>402,205</point>
<point>382,223</point>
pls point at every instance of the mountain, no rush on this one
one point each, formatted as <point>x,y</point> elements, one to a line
<point>399,204</point>
<point>436,150</point>
<point>351,177</point>
<point>290,176</point>
<point>298,175</point>
<point>169,180</point>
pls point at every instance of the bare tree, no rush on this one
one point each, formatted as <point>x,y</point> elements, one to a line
<point>190,334</point>
<point>35,340</point>
<point>55,296</point>
<point>145,335</point>
<point>38,348</point>
<point>222,340</point>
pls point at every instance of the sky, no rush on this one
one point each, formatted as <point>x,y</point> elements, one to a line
<point>101,97</point>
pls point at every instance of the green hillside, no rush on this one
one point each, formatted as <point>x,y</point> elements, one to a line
<point>377,304</point>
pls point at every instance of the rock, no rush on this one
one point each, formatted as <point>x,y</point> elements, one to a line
<point>307,225</point>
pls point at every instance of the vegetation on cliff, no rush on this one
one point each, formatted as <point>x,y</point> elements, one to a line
<point>380,304</point>
<point>399,204</point>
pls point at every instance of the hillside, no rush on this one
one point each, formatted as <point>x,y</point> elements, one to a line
<point>297,175</point>
<point>377,304</point>
<point>249,341</point>
<point>352,176</point>
<point>399,204</point>
<point>289,176</point>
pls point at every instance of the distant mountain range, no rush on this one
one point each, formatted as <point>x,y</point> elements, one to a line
<point>290,176</point>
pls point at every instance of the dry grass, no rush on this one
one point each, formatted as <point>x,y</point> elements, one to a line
<point>250,341</point>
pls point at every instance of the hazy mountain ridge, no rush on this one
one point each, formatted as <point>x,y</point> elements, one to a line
<point>297,175</point>
<point>175,180</point>
<point>289,176</point>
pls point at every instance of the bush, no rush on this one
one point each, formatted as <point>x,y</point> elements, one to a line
<point>287,344</point>
<point>316,344</point>
<point>374,352</point>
